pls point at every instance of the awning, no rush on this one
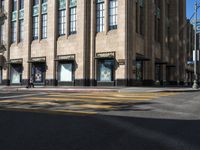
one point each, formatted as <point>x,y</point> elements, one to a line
<point>105,55</point>
<point>160,62</point>
<point>141,58</point>
<point>37,60</point>
<point>70,57</point>
<point>171,66</point>
<point>15,61</point>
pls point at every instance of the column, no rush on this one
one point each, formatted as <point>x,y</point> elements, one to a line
<point>92,43</point>
<point>67,18</point>
<point>106,16</point>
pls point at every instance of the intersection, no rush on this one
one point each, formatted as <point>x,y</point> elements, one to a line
<point>87,103</point>
<point>50,120</point>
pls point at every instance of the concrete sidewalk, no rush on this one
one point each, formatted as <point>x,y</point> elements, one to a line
<point>97,89</point>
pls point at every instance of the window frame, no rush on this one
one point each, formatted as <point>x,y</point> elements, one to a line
<point>100,15</point>
<point>44,19</point>
<point>14,31</point>
<point>21,30</point>
<point>35,27</point>
<point>72,19</point>
<point>113,14</point>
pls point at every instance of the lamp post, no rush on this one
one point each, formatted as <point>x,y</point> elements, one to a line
<point>195,84</point>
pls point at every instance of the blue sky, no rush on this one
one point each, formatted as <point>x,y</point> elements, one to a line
<point>190,8</point>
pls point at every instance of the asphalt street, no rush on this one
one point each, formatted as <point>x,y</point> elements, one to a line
<point>100,121</point>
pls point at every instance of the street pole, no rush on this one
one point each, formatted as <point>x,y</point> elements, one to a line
<point>195,85</point>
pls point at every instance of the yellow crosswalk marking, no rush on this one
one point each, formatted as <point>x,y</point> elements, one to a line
<point>92,106</point>
<point>92,98</point>
<point>73,102</point>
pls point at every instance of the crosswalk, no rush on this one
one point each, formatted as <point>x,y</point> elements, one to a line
<point>83,103</point>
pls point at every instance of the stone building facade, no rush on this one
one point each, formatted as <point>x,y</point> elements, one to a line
<point>94,42</point>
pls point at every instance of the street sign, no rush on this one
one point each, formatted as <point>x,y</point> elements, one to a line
<point>198,27</point>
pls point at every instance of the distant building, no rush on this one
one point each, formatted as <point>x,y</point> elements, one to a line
<point>94,42</point>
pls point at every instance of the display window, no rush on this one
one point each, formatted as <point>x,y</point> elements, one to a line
<point>106,70</point>
<point>65,72</point>
<point>1,74</point>
<point>16,74</point>
<point>38,72</point>
<point>139,70</point>
<point>157,72</point>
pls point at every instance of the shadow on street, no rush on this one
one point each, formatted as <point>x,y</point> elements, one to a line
<point>40,131</point>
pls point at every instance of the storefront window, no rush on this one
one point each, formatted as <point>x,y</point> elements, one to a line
<point>157,72</point>
<point>16,74</point>
<point>106,70</point>
<point>66,72</point>
<point>0,75</point>
<point>139,70</point>
<point>39,72</point>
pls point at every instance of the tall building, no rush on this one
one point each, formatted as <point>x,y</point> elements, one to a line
<point>94,42</point>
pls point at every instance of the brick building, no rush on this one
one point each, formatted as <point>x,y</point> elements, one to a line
<point>94,42</point>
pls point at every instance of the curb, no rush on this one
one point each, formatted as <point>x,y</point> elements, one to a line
<point>71,90</point>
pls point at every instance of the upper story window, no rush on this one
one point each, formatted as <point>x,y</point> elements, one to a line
<point>157,22</point>
<point>21,20</point>
<point>2,26</point>
<point>100,15</point>
<point>44,19</point>
<point>61,17</point>
<point>113,6</point>
<point>21,30</point>
<point>72,16</point>
<point>14,32</point>
<point>140,14</point>
<point>21,5</point>
<point>167,25</point>
<point>35,2</point>
<point>14,22</point>
<point>3,5</point>
<point>14,5</point>
<point>35,20</point>
<point>35,27</point>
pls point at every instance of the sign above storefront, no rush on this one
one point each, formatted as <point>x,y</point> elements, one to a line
<point>105,55</point>
<point>37,59</point>
<point>15,61</point>
<point>65,57</point>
